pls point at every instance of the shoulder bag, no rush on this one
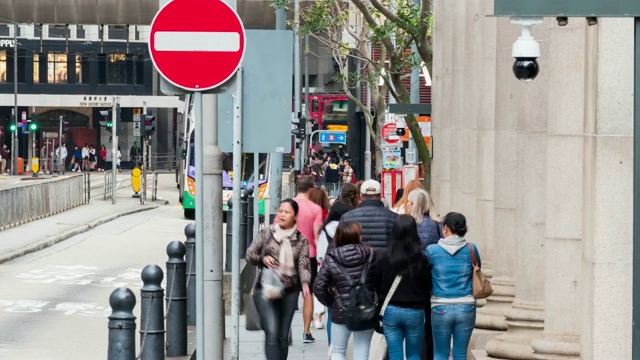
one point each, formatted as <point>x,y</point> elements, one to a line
<point>379,328</point>
<point>481,286</point>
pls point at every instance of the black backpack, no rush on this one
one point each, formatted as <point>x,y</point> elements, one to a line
<point>361,312</point>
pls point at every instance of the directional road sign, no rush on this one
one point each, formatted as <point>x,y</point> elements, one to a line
<point>197,44</point>
<point>333,137</point>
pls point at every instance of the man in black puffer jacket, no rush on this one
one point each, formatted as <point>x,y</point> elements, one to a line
<point>374,218</point>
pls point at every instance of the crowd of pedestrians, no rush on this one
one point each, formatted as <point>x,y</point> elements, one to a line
<point>398,271</point>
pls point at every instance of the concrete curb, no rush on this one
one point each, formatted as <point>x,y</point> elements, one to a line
<point>52,240</point>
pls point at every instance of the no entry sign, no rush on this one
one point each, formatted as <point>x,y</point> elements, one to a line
<point>197,44</point>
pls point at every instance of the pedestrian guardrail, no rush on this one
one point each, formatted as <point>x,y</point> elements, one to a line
<point>108,184</point>
<point>87,187</point>
<point>154,188</point>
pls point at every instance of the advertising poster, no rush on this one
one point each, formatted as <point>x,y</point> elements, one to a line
<point>391,159</point>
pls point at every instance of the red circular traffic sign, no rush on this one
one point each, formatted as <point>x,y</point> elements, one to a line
<point>389,133</point>
<point>197,44</point>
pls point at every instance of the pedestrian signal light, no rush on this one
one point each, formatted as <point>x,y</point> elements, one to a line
<point>149,124</point>
<point>107,119</point>
<point>12,127</point>
<point>33,126</point>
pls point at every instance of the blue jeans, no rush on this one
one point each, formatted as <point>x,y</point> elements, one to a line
<point>403,325</point>
<point>361,342</point>
<point>457,321</point>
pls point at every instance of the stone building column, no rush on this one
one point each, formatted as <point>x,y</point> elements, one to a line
<point>502,218</point>
<point>606,273</point>
<point>528,105</point>
<point>565,148</point>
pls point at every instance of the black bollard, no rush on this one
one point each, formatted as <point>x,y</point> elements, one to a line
<point>122,325</point>
<point>244,201</point>
<point>176,300</point>
<point>250,220</point>
<point>152,314</point>
<point>229,234</point>
<point>190,244</point>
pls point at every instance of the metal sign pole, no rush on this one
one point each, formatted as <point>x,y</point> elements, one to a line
<point>14,143</point>
<point>256,188</point>
<point>114,151</point>
<point>235,251</point>
<point>200,345</point>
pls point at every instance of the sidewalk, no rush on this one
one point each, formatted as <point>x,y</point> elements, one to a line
<point>37,235</point>
<point>252,342</point>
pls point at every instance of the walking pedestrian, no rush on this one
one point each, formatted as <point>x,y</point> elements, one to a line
<point>85,157</point>
<point>404,275</point>
<point>420,206</point>
<point>374,218</point>
<point>92,158</point>
<point>102,157</point>
<point>319,197</point>
<point>309,222</point>
<point>282,248</point>
<point>348,175</point>
<point>453,306</point>
<point>326,243</point>
<point>119,160</point>
<point>3,159</point>
<point>349,195</point>
<point>400,206</point>
<point>77,159</point>
<point>346,273</point>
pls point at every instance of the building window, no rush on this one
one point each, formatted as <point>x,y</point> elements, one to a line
<point>36,68</point>
<point>3,66</point>
<point>57,68</point>
<point>117,69</point>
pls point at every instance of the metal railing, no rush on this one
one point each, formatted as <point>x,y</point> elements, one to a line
<point>108,184</point>
<point>163,161</point>
<point>86,181</point>
<point>154,188</point>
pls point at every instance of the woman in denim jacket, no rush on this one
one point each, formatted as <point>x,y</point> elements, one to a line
<point>453,307</point>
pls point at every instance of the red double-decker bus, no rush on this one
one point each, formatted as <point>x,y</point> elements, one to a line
<point>328,109</point>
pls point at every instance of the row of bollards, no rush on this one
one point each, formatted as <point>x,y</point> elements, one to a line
<point>155,342</point>
<point>180,298</point>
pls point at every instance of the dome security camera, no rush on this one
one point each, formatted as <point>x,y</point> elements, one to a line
<point>526,50</point>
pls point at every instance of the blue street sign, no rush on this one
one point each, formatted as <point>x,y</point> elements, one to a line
<point>333,137</point>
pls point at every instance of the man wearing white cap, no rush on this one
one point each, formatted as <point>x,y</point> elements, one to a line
<point>374,218</point>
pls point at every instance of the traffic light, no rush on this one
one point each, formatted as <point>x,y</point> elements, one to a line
<point>300,130</point>
<point>149,124</point>
<point>107,119</point>
<point>65,126</point>
<point>33,126</point>
<point>13,127</point>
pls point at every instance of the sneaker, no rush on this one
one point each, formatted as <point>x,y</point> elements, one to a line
<point>318,324</point>
<point>308,339</point>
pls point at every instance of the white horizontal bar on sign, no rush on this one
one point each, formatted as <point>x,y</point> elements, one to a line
<point>197,41</point>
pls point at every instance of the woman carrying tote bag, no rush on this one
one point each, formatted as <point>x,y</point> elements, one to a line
<point>282,253</point>
<point>456,265</point>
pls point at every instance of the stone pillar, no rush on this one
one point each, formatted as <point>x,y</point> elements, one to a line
<point>528,105</point>
<point>606,274</point>
<point>456,137</point>
<point>565,148</point>
<point>504,186</point>
<point>442,98</point>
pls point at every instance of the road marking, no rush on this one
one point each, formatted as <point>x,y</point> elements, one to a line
<point>197,41</point>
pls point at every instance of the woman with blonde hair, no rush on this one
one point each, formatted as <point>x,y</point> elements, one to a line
<point>420,206</point>
<point>400,207</point>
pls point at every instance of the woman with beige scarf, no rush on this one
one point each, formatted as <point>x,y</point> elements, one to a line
<point>282,248</point>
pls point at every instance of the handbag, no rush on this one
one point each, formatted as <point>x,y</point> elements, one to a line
<point>481,285</point>
<point>380,328</point>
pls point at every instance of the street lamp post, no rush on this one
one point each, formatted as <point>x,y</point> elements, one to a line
<point>592,9</point>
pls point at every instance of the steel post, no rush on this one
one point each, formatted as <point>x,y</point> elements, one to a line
<point>244,222</point>
<point>256,192</point>
<point>199,154</point>
<point>122,325</point>
<point>176,297</point>
<point>151,314</point>
<point>275,171</point>
<point>190,244</point>
<point>250,219</point>
<point>229,236</point>
<point>636,196</point>
<point>14,143</point>
<point>114,151</point>
<point>61,162</point>
<point>237,227</point>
